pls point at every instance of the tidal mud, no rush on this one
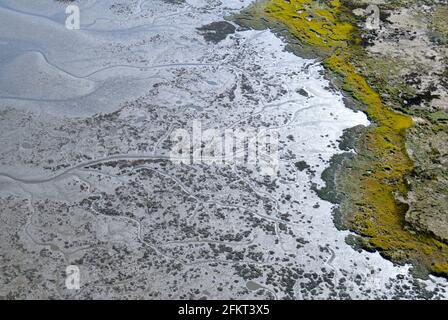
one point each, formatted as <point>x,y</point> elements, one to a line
<point>87,178</point>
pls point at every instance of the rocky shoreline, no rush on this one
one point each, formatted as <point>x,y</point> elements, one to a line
<point>393,192</point>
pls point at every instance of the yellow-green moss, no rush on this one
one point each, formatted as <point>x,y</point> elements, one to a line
<point>440,268</point>
<point>312,22</point>
<point>378,173</point>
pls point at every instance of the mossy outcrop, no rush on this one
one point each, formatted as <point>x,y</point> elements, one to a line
<point>373,186</point>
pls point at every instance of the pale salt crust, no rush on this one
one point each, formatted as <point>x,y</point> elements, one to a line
<point>51,77</point>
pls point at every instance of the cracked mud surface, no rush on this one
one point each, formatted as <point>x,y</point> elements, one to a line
<point>86,177</point>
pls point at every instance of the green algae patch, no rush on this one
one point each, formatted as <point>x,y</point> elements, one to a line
<point>312,22</point>
<point>369,184</point>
